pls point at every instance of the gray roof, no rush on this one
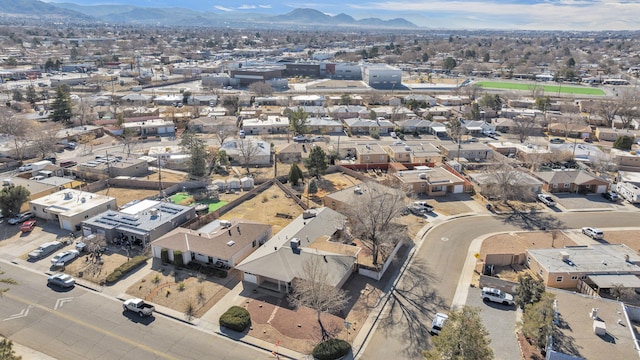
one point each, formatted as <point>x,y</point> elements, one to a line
<point>516,178</point>
<point>609,281</point>
<point>567,177</point>
<point>139,221</point>
<point>276,259</point>
<point>596,259</point>
<point>349,195</point>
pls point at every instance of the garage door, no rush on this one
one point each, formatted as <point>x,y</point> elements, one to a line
<point>65,224</point>
<point>250,278</point>
<point>458,189</point>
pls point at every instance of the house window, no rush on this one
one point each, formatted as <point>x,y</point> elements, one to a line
<point>559,279</point>
<point>366,157</point>
<point>583,277</point>
<point>528,259</point>
<point>574,277</point>
<point>555,186</point>
<point>86,216</point>
<point>423,185</point>
<point>566,186</point>
<point>253,244</point>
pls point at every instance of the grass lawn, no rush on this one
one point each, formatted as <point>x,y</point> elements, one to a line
<point>213,206</point>
<point>179,197</point>
<point>547,88</point>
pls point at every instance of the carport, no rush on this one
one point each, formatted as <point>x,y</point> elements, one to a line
<point>607,282</point>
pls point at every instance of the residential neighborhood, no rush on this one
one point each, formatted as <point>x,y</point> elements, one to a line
<point>318,194</point>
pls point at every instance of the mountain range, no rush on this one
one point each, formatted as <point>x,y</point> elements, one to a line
<point>177,16</point>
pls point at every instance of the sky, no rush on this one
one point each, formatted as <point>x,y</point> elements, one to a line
<point>435,14</point>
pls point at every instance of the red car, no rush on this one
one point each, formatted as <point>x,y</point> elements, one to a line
<point>27,226</point>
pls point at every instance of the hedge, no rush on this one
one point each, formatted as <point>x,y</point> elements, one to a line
<point>236,318</point>
<point>125,268</point>
<point>177,258</point>
<point>164,255</point>
<point>331,349</point>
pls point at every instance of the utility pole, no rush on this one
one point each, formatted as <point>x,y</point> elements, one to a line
<point>159,176</point>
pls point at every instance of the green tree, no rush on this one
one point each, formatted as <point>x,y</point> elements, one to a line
<point>313,187</point>
<point>197,151</point>
<point>32,95</point>
<point>490,101</point>
<point>571,62</point>
<point>295,174</point>
<point>11,61</point>
<point>12,198</point>
<point>185,96</point>
<point>316,163</point>
<point>6,350</point>
<point>623,143</point>
<point>537,320</point>
<point>474,112</point>
<point>449,63</point>
<point>463,337</point>
<point>454,129</point>
<point>543,103</point>
<point>61,109</point>
<point>298,121</point>
<point>345,99</point>
<point>529,291</point>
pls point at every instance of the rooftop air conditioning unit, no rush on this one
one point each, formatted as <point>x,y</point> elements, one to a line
<point>423,176</point>
<point>295,243</point>
<point>225,224</point>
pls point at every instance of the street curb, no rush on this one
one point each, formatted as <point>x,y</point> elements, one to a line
<point>280,355</point>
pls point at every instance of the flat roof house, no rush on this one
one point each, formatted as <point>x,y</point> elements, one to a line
<point>70,207</point>
<point>283,258</point>
<point>225,244</point>
<point>371,154</point>
<point>436,181</point>
<point>141,222</point>
<point>562,268</point>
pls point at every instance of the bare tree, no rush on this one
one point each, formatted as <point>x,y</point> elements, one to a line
<point>371,219</point>
<point>248,150</point>
<point>261,88</point>
<point>505,183</point>
<point>16,128</point>
<point>472,91</point>
<point>608,110</point>
<point>44,137</point>
<point>536,90</point>
<point>524,127</point>
<point>314,290</point>
<point>628,107</point>
<point>82,110</point>
<point>223,132</point>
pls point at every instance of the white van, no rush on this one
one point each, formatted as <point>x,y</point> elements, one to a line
<point>37,178</point>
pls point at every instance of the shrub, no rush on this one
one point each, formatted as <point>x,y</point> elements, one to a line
<point>236,318</point>
<point>164,256</point>
<point>125,268</point>
<point>177,258</point>
<point>623,143</point>
<point>331,349</point>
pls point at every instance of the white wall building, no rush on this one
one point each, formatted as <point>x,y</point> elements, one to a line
<point>70,207</point>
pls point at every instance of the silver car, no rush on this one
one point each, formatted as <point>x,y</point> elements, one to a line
<point>62,258</point>
<point>61,280</point>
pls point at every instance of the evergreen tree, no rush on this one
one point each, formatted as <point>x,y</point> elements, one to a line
<point>32,95</point>
<point>61,109</point>
<point>623,143</point>
<point>12,198</point>
<point>316,163</point>
<point>295,174</point>
<point>530,290</point>
<point>537,320</point>
<point>6,350</point>
<point>463,337</point>
<point>17,95</point>
<point>198,152</point>
<point>298,121</point>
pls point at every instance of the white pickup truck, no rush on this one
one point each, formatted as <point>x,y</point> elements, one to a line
<point>138,306</point>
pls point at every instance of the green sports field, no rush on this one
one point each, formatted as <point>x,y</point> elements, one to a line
<point>548,89</point>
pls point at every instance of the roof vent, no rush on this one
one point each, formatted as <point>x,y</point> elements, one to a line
<point>230,243</point>
<point>295,243</point>
<point>357,190</point>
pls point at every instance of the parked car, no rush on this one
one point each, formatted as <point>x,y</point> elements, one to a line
<point>438,323</point>
<point>51,158</point>
<point>27,226</point>
<point>318,138</point>
<point>61,258</point>
<point>593,233</point>
<point>393,134</point>
<point>300,138</point>
<point>68,163</point>
<point>25,167</point>
<point>546,199</point>
<point>61,280</point>
<point>20,218</point>
<point>242,134</point>
<point>556,140</point>
<point>138,306</point>
<point>611,196</point>
<point>422,205</point>
<point>497,296</point>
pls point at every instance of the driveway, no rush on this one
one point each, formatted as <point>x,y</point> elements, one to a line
<point>588,202</point>
<point>500,321</point>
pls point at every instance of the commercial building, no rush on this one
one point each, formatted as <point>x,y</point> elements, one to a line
<point>70,207</point>
<point>382,76</point>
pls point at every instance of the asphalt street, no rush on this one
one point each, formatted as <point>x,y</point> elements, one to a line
<point>81,324</point>
<point>429,283</point>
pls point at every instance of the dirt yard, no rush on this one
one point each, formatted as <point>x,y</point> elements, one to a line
<point>264,208</point>
<point>124,195</point>
<point>92,270</point>
<point>179,290</point>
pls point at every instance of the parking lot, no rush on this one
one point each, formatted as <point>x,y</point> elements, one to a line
<point>16,245</point>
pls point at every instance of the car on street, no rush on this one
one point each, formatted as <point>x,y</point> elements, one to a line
<point>556,140</point>
<point>61,280</point>
<point>611,196</point>
<point>497,296</point>
<point>241,134</point>
<point>20,218</point>
<point>300,138</point>
<point>27,226</point>
<point>547,200</point>
<point>61,258</point>
<point>70,146</point>
<point>593,233</point>
<point>318,138</point>
<point>437,323</point>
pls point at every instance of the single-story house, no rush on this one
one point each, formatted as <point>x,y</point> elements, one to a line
<point>523,182</point>
<point>70,207</point>
<point>223,245</point>
<point>575,181</point>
